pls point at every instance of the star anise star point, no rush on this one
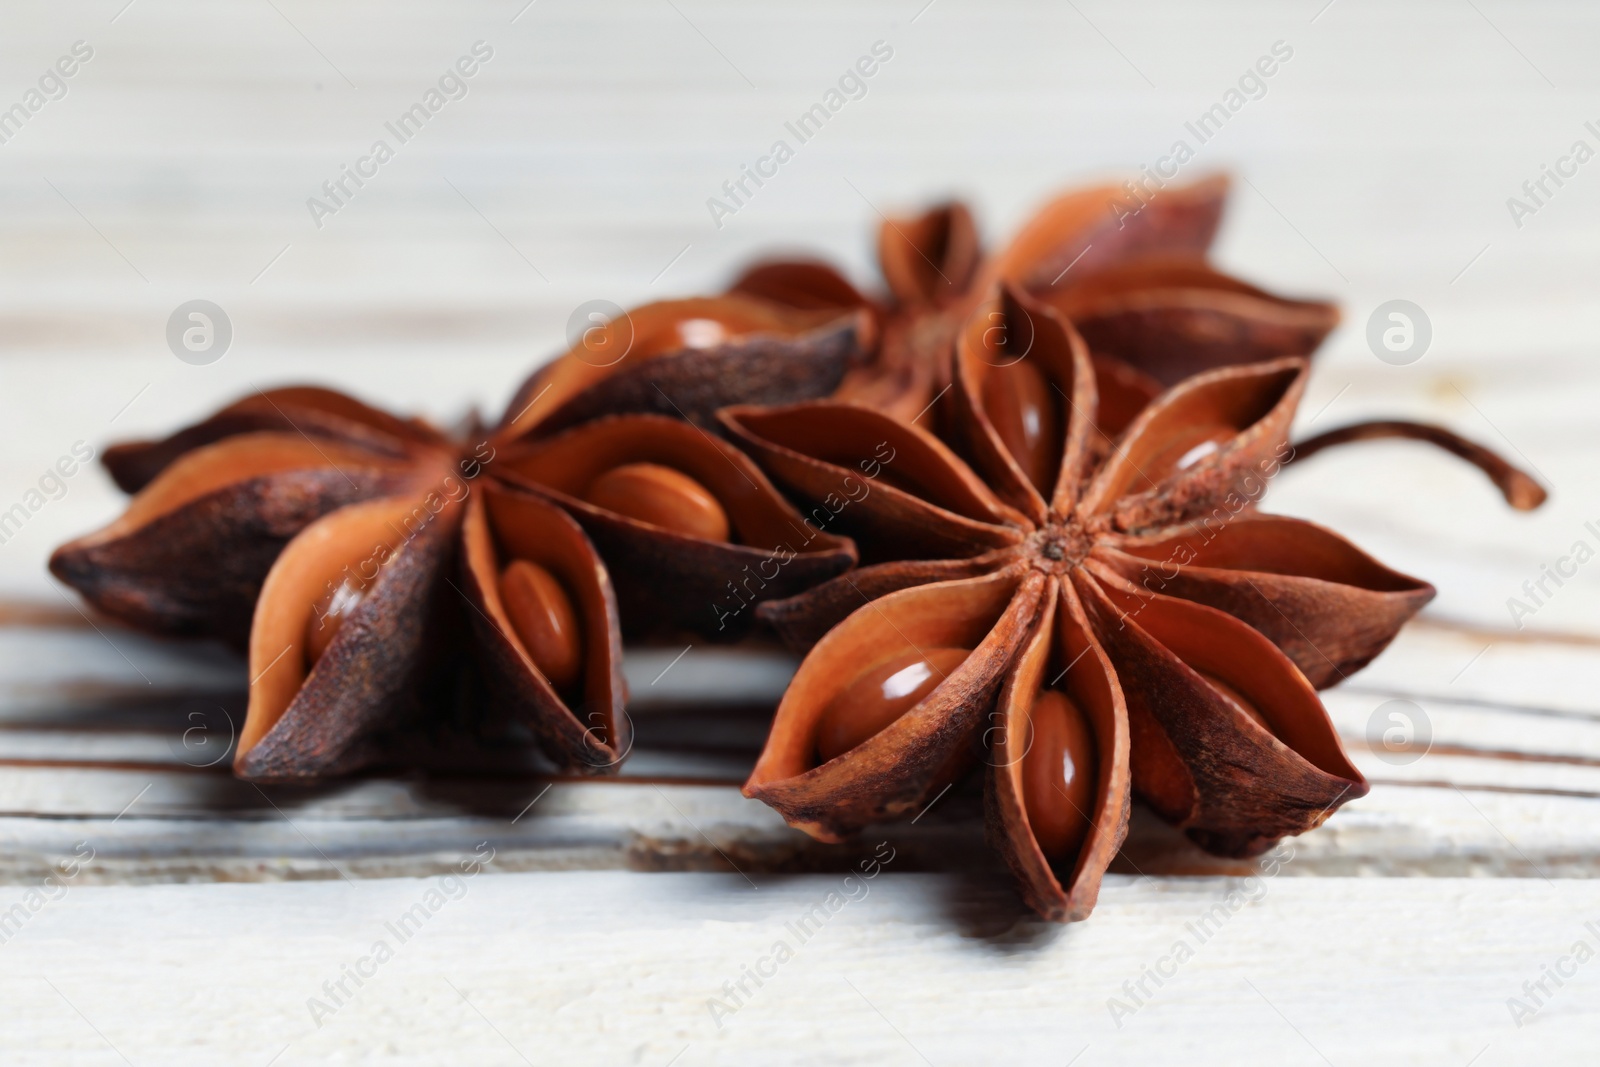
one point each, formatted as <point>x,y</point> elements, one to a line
<point>1133,281</point>
<point>1094,611</point>
<point>1047,462</point>
<point>362,558</point>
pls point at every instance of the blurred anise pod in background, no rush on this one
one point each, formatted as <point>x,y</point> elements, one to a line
<point>687,358</point>
<point>1092,620</point>
<point>355,553</point>
<point>1131,274</point>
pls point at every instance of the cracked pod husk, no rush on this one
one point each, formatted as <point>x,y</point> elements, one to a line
<point>1063,656</point>
<point>189,554</point>
<point>896,770</point>
<point>1172,317</point>
<point>685,359</point>
<point>324,553</point>
<point>314,716</point>
<point>677,578</point>
<point>302,410</point>
<point>584,724</point>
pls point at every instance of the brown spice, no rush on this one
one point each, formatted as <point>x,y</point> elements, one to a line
<point>1132,580</point>
<point>1137,288</point>
<point>362,558</point>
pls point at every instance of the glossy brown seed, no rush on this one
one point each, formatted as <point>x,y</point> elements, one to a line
<point>1239,701</point>
<point>1021,403</point>
<point>662,497</point>
<point>328,615</point>
<point>1185,450</point>
<point>702,333</point>
<point>881,695</point>
<point>546,623</point>
<point>1058,776</point>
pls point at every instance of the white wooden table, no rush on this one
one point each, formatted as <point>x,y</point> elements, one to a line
<point>206,921</point>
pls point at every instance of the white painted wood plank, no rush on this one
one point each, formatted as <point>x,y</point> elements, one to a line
<point>1378,166</point>
<point>217,829</point>
<point>1428,660</point>
<point>82,765</point>
<point>1453,663</point>
<point>616,967</point>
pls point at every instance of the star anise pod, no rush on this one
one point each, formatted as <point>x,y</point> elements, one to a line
<point>930,266</point>
<point>1093,621</point>
<point>1135,283</point>
<point>696,552</point>
<point>687,358</point>
<point>355,553</point>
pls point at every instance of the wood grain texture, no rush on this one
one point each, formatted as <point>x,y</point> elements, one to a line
<point>600,967</point>
<point>1507,785</point>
